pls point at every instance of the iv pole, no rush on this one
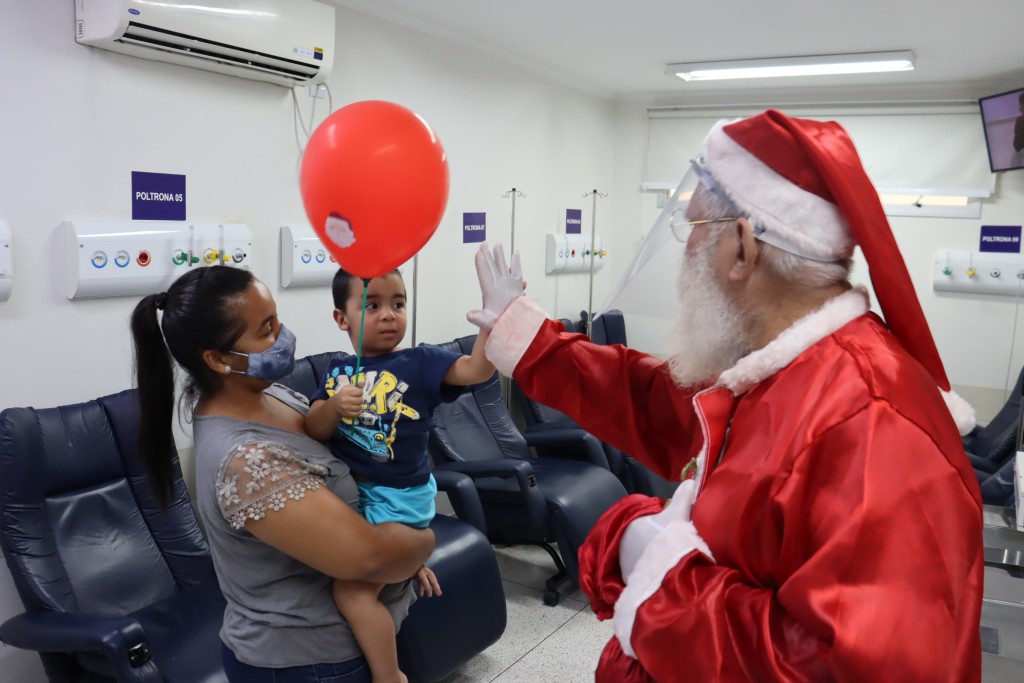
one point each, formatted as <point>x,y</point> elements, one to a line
<point>415,294</point>
<point>506,383</point>
<point>593,248</point>
<point>513,193</point>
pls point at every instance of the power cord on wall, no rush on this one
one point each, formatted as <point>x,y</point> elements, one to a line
<point>1013,337</point>
<point>297,120</point>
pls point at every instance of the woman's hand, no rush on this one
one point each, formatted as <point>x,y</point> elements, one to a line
<point>427,581</point>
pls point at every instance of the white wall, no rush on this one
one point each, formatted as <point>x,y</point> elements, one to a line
<point>80,120</point>
<point>76,121</point>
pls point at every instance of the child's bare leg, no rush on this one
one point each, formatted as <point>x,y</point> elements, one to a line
<point>372,626</point>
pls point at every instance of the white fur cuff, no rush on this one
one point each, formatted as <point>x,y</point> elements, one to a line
<point>961,410</point>
<point>513,333</point>
<point>679,539</point>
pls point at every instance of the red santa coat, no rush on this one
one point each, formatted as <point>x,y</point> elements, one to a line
<point>841,519</point>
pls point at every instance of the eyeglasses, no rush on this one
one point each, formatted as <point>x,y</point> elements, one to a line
<point>681,229</point>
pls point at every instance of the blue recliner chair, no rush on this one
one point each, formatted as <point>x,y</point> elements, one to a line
<point>525,499</point>
<point>609,328</point>
<point>114,588</point>
<point>442,633</point>
<point>991,450</point>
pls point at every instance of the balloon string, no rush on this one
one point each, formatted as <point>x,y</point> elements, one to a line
<point>362,325</point>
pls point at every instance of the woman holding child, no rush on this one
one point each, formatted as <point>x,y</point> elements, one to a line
<point>277,505</point>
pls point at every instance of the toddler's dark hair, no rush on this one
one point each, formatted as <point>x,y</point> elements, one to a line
<point>340,289</point>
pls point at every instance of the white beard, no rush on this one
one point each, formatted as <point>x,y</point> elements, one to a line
<point>710,333</point>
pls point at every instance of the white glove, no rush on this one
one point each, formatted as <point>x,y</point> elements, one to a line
<point>499,284</point>
<point>642,531</point>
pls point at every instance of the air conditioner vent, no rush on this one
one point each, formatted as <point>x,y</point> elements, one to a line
<point>171,41</point>
<point>285,42</point>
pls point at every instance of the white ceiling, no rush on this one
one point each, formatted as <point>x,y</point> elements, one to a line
<point>619,48</point>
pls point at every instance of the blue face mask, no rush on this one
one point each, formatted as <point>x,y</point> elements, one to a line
<point>274,363</point>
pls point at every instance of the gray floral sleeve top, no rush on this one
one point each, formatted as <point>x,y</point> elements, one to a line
<point>280,612</point>
<point>263,476</point>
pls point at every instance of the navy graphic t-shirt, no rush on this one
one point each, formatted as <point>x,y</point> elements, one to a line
<point>387,443</point>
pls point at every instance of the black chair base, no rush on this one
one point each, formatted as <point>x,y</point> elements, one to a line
<point>551,594</point>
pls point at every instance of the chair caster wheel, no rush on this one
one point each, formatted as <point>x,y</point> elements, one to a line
<point>551,598</point>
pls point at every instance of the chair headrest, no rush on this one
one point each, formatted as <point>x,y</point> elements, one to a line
<point>463,345</point>
<point>609,328</point>
<point>309,373</point>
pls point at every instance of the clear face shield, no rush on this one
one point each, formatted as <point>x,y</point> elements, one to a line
<point>644,291</point>
<point>674,220</point>
<point>679,221</point>
<point>658,257</point>
<point>656,261</point>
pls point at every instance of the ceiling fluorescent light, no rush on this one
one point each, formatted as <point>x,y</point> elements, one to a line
<point>820,65</point>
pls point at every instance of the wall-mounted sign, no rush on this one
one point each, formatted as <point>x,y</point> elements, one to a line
<point>573,221</point>
<point>158,196</point>
<point>474,227</point>
<point>1005,238</point>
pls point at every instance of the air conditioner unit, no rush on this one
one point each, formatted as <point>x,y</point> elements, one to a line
<point>288,42</point>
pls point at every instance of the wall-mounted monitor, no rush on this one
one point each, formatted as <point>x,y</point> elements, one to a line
<point>1003,118</point>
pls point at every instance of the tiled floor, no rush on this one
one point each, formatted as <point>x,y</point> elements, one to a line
<point>1002,620</point>
<point>540,643</point>
<point>562,644</point>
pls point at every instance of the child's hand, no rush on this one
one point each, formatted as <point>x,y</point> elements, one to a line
<point>428,584</point>
<point>349,401</point>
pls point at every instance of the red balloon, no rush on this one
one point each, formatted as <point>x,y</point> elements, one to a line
<point>374,182</point>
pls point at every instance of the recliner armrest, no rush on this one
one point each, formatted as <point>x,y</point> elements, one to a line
<point>981,464</point>
<point>521,470</point>
<point>121,639</point>
<point>476,469</point>
<point>557,425</point>
<point>463,496</point>
<point>582,441</point>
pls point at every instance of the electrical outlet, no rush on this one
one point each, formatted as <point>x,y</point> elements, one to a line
<point>318,90</point>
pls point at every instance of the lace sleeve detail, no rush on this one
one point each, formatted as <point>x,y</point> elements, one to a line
<point>263,476</point>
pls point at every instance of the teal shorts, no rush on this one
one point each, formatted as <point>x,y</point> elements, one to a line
<point>413,506</point>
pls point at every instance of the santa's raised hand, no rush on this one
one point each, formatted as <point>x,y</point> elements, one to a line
<point>499,284</point>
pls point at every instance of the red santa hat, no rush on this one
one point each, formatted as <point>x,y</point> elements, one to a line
<point>802,183</point>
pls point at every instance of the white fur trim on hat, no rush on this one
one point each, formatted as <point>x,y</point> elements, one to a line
<point>792,217</point>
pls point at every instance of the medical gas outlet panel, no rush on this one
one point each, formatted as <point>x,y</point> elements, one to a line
<point>572,254</point>
<point>305,262</point>
<point>974,272</point>
<point>6,276</point>
<point>131,258</point>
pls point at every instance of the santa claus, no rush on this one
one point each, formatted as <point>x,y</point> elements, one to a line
<point>828,525</point>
